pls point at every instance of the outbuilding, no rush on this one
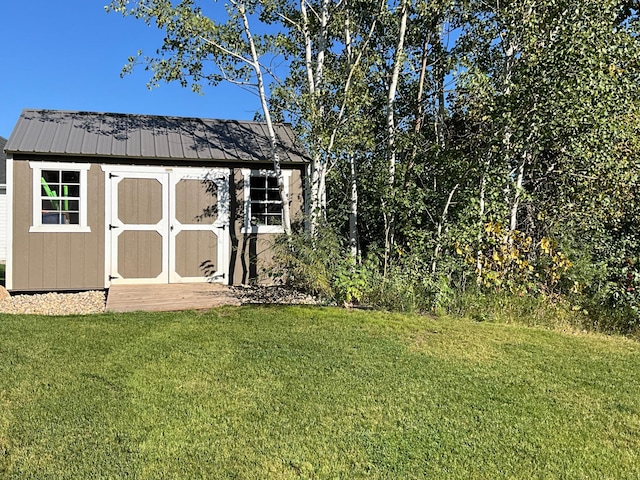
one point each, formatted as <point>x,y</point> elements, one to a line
<point>98,199</point>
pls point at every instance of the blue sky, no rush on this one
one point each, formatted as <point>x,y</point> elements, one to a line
<point>68,55</point>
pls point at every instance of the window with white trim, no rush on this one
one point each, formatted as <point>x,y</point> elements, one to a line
<point>59,197</point>
<point>266,204</point>
<point>263,205</point>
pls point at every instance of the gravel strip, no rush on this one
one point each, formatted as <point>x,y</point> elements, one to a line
<point>271,295</point>
<point>82,303</point>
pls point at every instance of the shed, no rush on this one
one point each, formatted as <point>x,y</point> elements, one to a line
<point>97,199</point>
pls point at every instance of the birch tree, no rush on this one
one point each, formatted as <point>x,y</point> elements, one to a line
<point>329,44</point>
<point>398,62</point>
<point>551,78</point>
<point>199,51</point>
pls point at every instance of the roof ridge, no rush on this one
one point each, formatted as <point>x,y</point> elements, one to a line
<point>149,115</point>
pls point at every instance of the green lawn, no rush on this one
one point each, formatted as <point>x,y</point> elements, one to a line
<point>299,392</point>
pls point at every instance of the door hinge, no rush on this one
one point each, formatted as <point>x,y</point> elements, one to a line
<point>112,277</point>
<point>111,175</point>
<point>111,227</point>
<point>223,227</point>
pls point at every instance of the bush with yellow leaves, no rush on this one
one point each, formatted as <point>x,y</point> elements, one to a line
<point>508,260</point>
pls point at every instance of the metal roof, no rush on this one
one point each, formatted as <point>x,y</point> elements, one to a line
<point>91,134</point>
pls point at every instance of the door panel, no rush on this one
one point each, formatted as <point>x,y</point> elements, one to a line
<point>200,225</point>
<point>196,201</point>
<point>139,227</point>
<point>196,253</point>
<point>140,201</point>
<point>168,225</point>
<point>140,254</point>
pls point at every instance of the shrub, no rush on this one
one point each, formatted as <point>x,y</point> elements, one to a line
<point>520,282</point>
<point>307,263</point>
<point>352,280</point>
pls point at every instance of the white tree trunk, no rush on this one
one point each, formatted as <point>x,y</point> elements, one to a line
<point>417,127</point>
<point>439,68</point>
<point>353,210</point>
<point>513,224</point>
<point>307,47</point>
<point>286,215</point>
<point>314,71</point>
<point>441,223</point>
<point>321,165</point>
<point>393,88</point>
<point>389,217</point>
<point>481,212</point>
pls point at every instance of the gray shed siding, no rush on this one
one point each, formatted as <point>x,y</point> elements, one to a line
<point>75,261</point>
<point>57,261</point>
<point>3,201</point>
<point>252,253</point>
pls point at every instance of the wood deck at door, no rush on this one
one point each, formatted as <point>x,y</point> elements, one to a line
<point>169,297</point>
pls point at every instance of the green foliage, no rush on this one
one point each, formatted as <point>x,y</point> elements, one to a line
<point>409,286</point>
<point>307,262</point>
<point>352,280</point>
<point>319,265</point>
<point>532,310</point>
<point>199,48</point>
<point>501,259</point>
<point>609,291</point>
<point>507,260</point>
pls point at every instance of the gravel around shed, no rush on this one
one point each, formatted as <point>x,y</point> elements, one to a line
<point>82,303</point>
<point>85,303</point>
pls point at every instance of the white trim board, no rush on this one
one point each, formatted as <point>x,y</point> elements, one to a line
<point>36,218</point>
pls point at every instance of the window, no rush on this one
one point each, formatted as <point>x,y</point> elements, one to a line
<point>266,204</point>
<point>59,197</point>
<point>263,205</point>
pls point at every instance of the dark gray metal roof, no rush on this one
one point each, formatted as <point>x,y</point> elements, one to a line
<point>90,134</point>
<point>3,161</point>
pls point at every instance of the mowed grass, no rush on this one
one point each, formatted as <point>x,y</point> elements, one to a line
<point>296,392</point>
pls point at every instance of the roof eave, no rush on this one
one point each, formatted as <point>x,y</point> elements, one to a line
<point>131,158</point>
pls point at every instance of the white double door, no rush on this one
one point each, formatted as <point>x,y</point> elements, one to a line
<point>166,225</point>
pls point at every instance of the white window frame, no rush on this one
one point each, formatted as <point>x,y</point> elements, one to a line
<point>36,224</point>
<point>263,172</point>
